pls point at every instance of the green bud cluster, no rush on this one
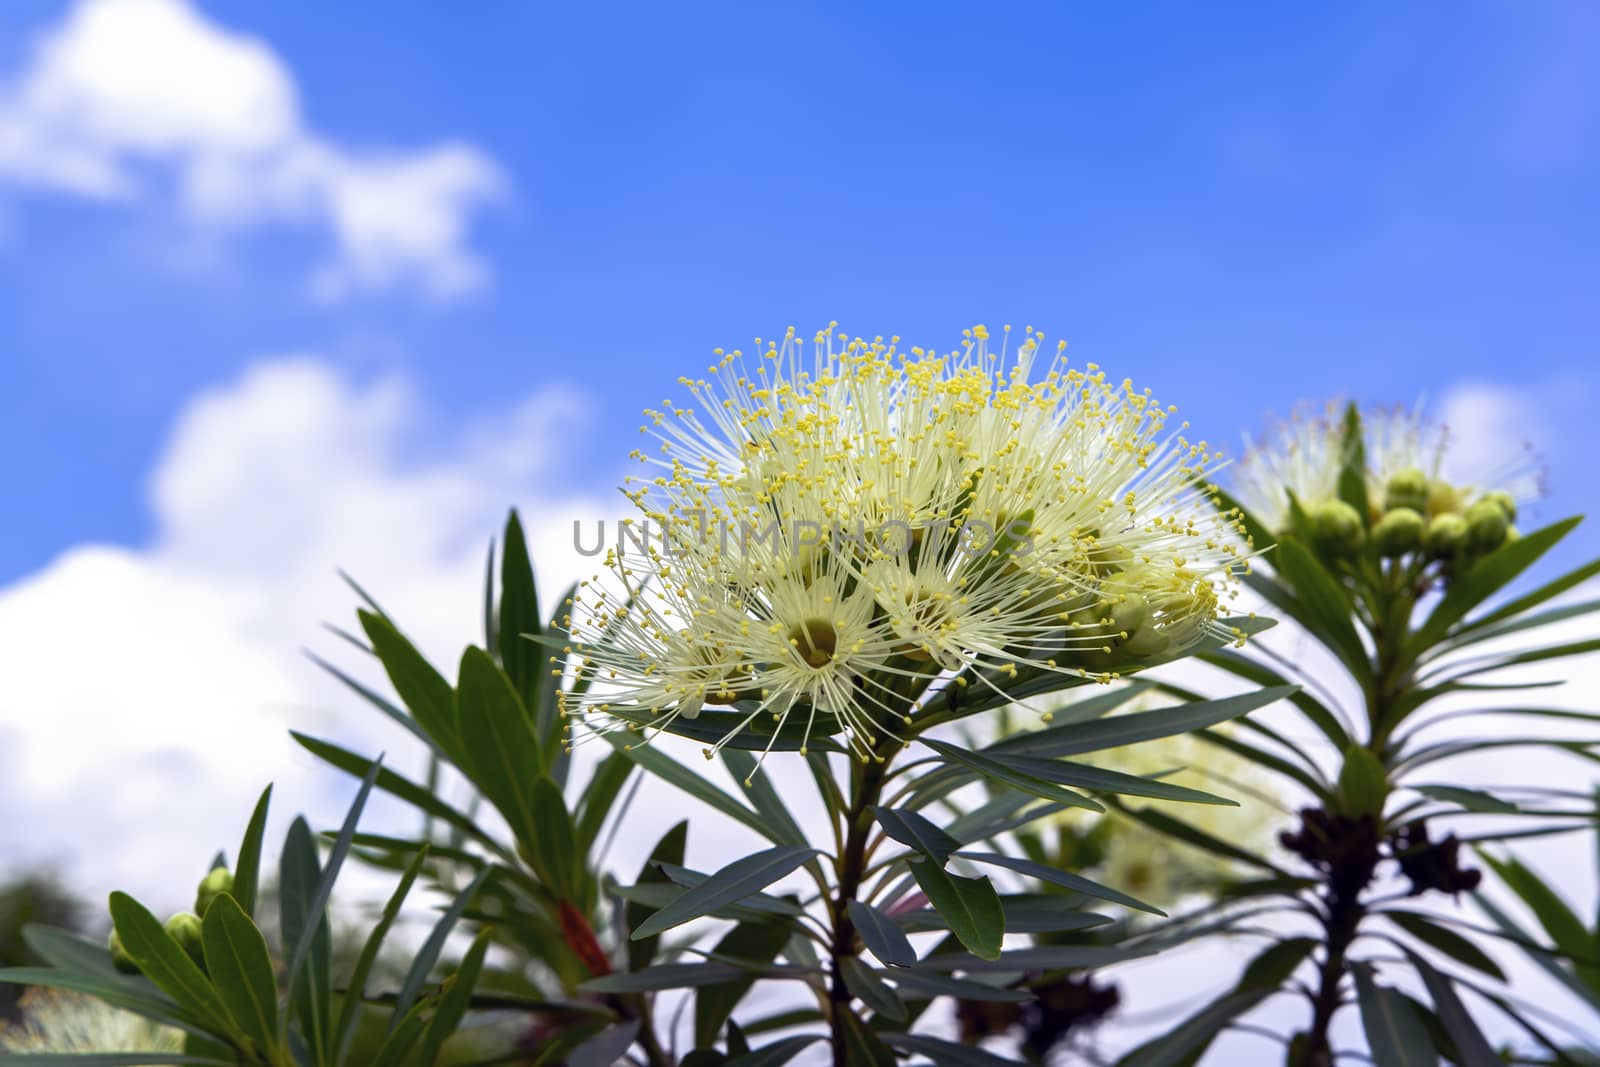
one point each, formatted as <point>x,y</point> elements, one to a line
<point>218,880</point>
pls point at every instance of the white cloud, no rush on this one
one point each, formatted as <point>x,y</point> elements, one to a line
<point>147,692</point>
<point>124,95</point>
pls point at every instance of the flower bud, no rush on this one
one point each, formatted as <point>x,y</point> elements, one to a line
<point>218,880</point>
<point>1443,499</point>
<point>119,955</point>
<point>1398,532</point>
<point>1486,526</point>
<point>1337,528</point>
<point>1407,488</point>
<point>1446,536</point>
<point>1504,501</point>
<point>185,930</point>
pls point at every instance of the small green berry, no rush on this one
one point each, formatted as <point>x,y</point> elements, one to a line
<point>1486,526</point>
<point>218,880</point>
<point>1398,532</point>
<point>1446,536</point>
<point>119,955</point>
<point>1504,501</point>
<point>1337,527</point>
<point>185,930</point>
<point>1443,498</point>
<point>1407,488</point>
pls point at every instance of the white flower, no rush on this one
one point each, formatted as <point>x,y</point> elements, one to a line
<point>835,531</point>
<point>1304,455</point>
<point>63,1022</point>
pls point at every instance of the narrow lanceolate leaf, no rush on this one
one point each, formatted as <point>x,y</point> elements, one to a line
<point>1064,879</point>
<point>1397,1036</point>
<point>421,688</point>
<point>350,1010</point>
<point>556,846</point>
<point>166,964</point>
<point>882,936</point>
<point>969,905</point>
<point>241,967</point>
<point>607,1048</point>
<point>1102,780</point>
<point>731,884</point>
<point>1452,944</point>
<point>455,1000</point>
<point>1470,799</point>
<point>664,976</point>
<point>1001,768</point>
<point>944,1053</point>
<point>916,831</point>
<point>1472,1048</point>
<point>776,1054</point>
<point>69,951</point>
<point>767,800</point>
<point>1485,578</point>
<point>865,984</point>
<point>519,612</point>
<point>1039,958</point>
<point>752,942</point>
<point>108,1059</point>
<point>668,850</point>
<point>501,751</point>
<point>924,985</point>
<point>1079,738</point>
<point>304,924</point>
<point>1327,609</point>
<point>423,963</point>
<point>247,874</point>
<point>122,991</point>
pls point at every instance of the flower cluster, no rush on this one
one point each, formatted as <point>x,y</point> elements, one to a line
<point>65,1023</point>
<point>1417,502</point>
<point>827,533</point>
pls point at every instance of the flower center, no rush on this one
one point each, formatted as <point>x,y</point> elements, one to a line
<point>816,640</point>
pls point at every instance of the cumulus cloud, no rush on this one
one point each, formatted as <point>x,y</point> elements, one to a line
<point>147,692</point>
<point>128,99</point>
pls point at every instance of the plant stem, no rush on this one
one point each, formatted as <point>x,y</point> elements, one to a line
<point>866,790</point>
<point>1341,923</point>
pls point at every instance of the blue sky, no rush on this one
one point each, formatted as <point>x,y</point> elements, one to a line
<point>1241,208</point>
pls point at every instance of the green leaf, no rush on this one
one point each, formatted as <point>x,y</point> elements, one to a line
<point>1039,958</point>
<point>776,1054</point>
<point>519,611</point>
<point>970,905</point>
<point>1363,783</point>
<point>598,797</point>
<point>1490,574</point>
<point>676,774</point>
<point>924,984</point>
<point>942,1053</point>
<point>668,850</point>
<point>1397,1036</point>
<point>1065,879</point>
<point>864,983</point>
<point>1452,944</point>
<point>1472,1048</point>
<point>555,842</point>
<point>306,930</point>
<point>1566,930</point>
<point>1353,463</point>
<point>1002,768</point>
<point>247,875</point>
<point>69,951</point>
<point>917,832</point>
<point>1263,976</point>
<point>757,942</point>
<point>502,753</point>
<point>1249,669</point>
<point>1470,799</point>
<point>457,997</point>
<point>423,963</point>
<point>241,968</point>
<point>607,1048</point>
<point>1078,738</point>
<point>664,976</point>
<point>1511,610</point>
<point>863,1047</point>
<point>883,938</point>
<point>1102,780</point>
<point>165,963</point>
<point>739,879</point>
<point>1327,608</point>
<point>350,1010</point>
<point>421,688</point>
